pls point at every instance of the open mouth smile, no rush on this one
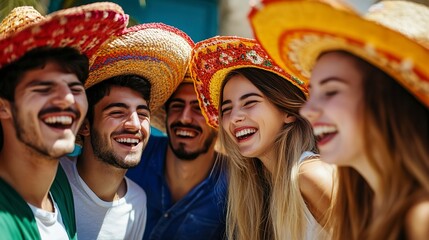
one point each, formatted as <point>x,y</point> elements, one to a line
<point>244,133</point>
<point>59,121</point>
<point>130,142</point>
<point>185,133</point>
<point>324,133</point>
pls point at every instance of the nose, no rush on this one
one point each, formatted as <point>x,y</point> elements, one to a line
<point>63,97</point>
<point>186,116</point>
<point>310,111</point>
<point>237,116</point>
<point>133,122</point>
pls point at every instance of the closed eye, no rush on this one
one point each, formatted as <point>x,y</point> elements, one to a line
<point>143,114</point>
<point>250,103</point>
<point>176,107</point>
<point>331,93</point>
<point>196,108</point>
<point>77,89</point>
<point>225,110</point>
<point>42,90</point>
<point>116,114</point>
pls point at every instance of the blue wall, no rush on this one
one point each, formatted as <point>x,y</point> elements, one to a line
<point>197,18</point>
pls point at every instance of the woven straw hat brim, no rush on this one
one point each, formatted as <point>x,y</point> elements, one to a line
<point>84,28</point>
<point>393,36</point>
<point>213,58</point>
<point>188,77</point>
<point>158,118</point>
<point>157,52</point>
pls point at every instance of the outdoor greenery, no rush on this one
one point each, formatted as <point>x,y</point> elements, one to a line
<point>7,5</point>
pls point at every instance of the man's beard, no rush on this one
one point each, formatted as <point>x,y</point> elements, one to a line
<point>107,155</point>
<point>181,153</point>
<point>25,133</point>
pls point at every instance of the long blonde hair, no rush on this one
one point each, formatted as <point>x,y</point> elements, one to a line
<point>264,205</point>
<point>396,129</point>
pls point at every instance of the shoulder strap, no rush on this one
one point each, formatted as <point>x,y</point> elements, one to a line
<point>63,196</point>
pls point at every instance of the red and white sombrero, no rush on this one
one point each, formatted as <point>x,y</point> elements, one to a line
<point>84,28</point>
<point>212,59</point>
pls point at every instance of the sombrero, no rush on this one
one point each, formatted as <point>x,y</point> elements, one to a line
<point>84,28</point>
<point>393,35</point>
<point>213,58</point>
<point>155,51</point>
<point>157,119</point>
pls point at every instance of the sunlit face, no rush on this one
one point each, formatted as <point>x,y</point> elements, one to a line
<point>334,108</point>
<point>188,132</point>
<point>49,108</point>
<point>120,128</point>
<point>250,119</point>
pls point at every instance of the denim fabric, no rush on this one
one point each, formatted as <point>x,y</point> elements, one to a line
<point>199,215</point>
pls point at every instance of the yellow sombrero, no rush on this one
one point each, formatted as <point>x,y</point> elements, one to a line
<point>155,51</point>
<point>213,58</point>
<point>84,28</point>
<point>393,36</point>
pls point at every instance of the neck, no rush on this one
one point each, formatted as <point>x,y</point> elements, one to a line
<point>30,173</point>
<point>268,160</point>
<point>371,177</point>
<point>183,175</point>
<point>105,180</point>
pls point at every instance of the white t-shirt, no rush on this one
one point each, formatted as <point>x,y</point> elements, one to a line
<point>50,224</point>
<point>97,219</point>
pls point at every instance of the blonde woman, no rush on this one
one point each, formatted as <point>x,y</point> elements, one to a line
<point>277,185</point>
<point>368,106</point>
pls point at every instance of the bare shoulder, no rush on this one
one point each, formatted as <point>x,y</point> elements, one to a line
<point>316,182</point>
<point>315,175</point>
<point>417,220</point>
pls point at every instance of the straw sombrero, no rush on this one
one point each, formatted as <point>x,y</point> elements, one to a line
<point>213,58</point>
<point>394,36</point>
<point>157,119</point>
<point>84,28</point>
<point>155,51</point>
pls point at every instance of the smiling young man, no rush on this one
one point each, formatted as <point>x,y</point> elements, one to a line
<point>42,105</point>
<point>186,189</point>
<point>116,129</point>
<point>131,76</point>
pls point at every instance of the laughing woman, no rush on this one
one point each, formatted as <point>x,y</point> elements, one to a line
<point>368,105</point>
<point>277,185</point>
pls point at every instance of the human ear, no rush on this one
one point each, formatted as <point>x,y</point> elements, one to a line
<point>84,129</point>
<point>5,111</point>
<point>288,118</point>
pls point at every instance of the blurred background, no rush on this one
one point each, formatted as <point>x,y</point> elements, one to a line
<point>200,19</point>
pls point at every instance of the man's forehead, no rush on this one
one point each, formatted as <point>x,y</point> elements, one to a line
<point>49,72</point>
<point>184,93</point>
<point>124,95</point>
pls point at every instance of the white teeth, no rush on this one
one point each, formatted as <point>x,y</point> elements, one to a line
<point>65,120</point>
<point>185,133</point>
<point>244,132</point>
<point>128,140</point>
<point>320,130</point>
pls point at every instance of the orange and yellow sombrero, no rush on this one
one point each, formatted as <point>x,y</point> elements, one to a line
<point>213,58</point>
<point>393,35</point>
<point>84,28</point>
<point>156,51</point>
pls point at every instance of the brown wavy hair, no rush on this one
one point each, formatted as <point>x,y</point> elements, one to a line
<point>396,140</point>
